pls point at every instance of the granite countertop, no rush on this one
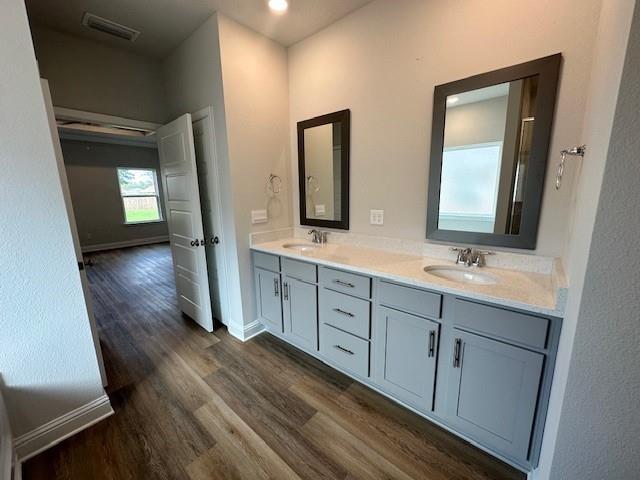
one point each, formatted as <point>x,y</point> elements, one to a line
<point>533,292</point>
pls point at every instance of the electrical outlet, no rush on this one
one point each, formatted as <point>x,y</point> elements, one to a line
<point>259,216</point>
<point>376,217</point>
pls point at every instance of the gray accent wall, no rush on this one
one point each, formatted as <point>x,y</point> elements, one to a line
<point>600,420</point>
<point>95,193</point>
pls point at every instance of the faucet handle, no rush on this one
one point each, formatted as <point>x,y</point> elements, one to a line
<point>477,257</point>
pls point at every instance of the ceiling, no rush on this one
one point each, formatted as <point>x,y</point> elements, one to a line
<point>481,94</point>
<point>164,24</point>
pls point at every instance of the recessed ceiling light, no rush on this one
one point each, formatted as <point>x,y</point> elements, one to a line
<point>452,100</point>
<point>279,6</point>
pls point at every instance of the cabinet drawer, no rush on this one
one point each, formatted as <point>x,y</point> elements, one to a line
<point>266,261</point>
<point>345,312</point>
<point>350,283</point>
<point>300,270</point>
<point>500,323</point>
<point>409,299</point>
<point>345,350</point>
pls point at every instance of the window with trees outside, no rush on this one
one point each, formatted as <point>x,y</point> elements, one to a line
<point>140,197</point>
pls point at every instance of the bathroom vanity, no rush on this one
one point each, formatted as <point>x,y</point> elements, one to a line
<point>475,358</point>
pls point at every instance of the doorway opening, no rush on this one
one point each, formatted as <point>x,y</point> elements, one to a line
<point>151,189</point>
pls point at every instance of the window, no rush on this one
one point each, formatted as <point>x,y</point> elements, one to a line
<point>139,191</point>
<point>469,187</point>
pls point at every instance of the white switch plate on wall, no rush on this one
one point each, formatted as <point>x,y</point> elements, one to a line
<point>259,216</point>
<point>320,211</point>
<point>376,217</point>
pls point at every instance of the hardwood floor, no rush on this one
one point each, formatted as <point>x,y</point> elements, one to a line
<point>194,405</point>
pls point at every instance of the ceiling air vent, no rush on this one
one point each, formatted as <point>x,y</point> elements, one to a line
<point>109,27</point>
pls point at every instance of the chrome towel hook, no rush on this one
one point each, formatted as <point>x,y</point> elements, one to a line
<point>574,152</point>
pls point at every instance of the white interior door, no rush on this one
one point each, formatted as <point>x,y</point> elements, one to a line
<point>62,172</point>
<point>184,219</point>
<point>208,179</point>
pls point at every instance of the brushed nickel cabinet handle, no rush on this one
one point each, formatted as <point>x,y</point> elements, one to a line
<point>342,349</point>
<point>432,343</point>
<point>286,291</point>
<point>276,290</point>
<point>344,284</point>
<point>342,312</point>
<point>456,352</point>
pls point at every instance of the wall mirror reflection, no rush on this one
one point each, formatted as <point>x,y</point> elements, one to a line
<point>323,169</point>
<point>490,144</point>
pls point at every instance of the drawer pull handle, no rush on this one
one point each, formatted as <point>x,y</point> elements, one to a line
<point>432,343</point>
<point>344,284</point>
<point>276,289</point>
<point>342,349</point>
<point>456,353</point>
<point>286,291</point>
<point>342,312</point>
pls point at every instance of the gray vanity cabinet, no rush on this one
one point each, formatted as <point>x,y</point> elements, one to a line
<point>407,357</point>
<point>493,391</point>
<point>269,299</point>
<point>299,305</point>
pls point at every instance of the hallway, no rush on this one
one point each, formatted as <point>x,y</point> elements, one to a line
<point>190,404</point>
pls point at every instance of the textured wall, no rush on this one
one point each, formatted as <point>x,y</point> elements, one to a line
<point>90,76</point>
<point>598,432</point>
<point>383,62</point>
<point>47,358</point>
<point>95,192</point>
<point>254,75</point>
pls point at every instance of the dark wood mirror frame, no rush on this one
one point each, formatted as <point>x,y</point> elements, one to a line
<point>548,69</point>
<point>343,116</point>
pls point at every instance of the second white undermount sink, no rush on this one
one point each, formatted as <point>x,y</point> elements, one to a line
<point>461,274</point>
<point>302,246</point>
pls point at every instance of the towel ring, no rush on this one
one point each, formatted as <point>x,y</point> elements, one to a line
<point>274,184</point>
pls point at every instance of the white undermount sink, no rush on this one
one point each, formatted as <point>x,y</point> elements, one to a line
<point>301,246</point>
<point>461,274</point>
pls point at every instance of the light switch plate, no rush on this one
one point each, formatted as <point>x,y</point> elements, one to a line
<point>376,217</point>
<point>320,211</point>
<point>259,216</point>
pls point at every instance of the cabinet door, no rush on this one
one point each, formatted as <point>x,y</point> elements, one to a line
<point>407,350</point>
<point>493,392</point>
<point>300,305</point>
<point>269,303</point>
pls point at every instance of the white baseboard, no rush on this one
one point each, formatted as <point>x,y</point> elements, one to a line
<point>53,432</point>
<point>127,243</point>
<point>247,332</point>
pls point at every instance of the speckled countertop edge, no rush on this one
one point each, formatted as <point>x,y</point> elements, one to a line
<point>532,292</point>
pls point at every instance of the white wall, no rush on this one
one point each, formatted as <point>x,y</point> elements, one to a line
<point>609,57</point>
<point>90,76</point>
<point>47,358</point>
<point>599,430</point>
<point>254,74</point>
<point>193,81</point>
<point>383,61</point>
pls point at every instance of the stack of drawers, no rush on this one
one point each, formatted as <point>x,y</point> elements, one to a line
<point>345,319</point>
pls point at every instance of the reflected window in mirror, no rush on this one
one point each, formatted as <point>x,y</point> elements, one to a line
<point>489,151</point>
<point>323,163</point>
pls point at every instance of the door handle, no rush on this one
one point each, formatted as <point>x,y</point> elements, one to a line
<point>195,243</point>
<point>276,289</point>
<point>286,291</point>
<point>215,240</point>
<point>432,343</point>
<point>342,312</point>
<point>457,350</point>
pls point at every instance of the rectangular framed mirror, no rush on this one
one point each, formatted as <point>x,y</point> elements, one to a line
<point>489,149</point>
<point>323,170</point>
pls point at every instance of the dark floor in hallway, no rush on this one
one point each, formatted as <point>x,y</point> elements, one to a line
<point>190,404</point>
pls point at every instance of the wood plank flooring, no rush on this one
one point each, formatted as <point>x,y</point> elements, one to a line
<point>194,405</point>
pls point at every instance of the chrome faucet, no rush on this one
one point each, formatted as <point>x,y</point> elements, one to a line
<point>464,256</point>
<point>470,256</point>
<point>318,236</point>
